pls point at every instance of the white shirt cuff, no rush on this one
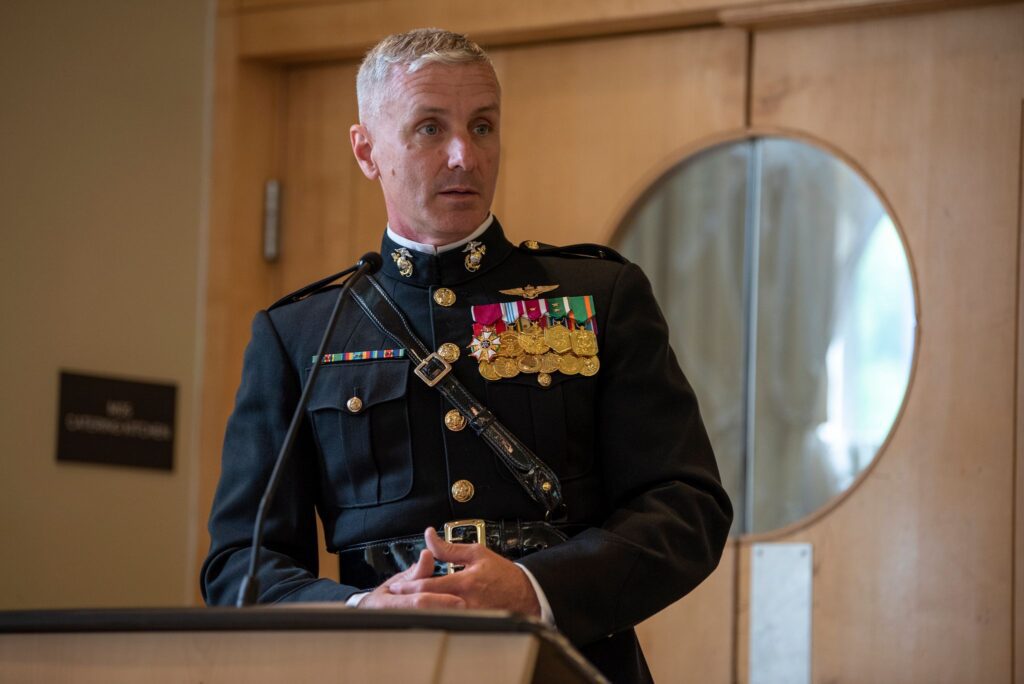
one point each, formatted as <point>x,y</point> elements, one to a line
<point>545,607</point>
<point>354,600</point>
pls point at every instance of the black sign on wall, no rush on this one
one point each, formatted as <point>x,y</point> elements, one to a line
<point>123,422</point>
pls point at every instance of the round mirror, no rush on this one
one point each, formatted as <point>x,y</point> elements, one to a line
<point>790,300</point>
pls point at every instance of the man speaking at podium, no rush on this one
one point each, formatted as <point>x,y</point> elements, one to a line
<point>574,449</point>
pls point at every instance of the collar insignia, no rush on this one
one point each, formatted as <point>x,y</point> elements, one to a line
<point>530,292</point>
<point>475,256</point>
<point>403,259</point>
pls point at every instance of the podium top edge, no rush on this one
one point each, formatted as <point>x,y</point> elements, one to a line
<point>262,618</point>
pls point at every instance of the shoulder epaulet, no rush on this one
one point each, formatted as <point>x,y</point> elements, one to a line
<point>306,291</point>
<point>583,251</point>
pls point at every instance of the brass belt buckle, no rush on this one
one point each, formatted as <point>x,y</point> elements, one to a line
<point>450,529</point>
<point>429,372</point>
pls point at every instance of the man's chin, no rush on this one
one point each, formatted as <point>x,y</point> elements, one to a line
<point>457,224</point>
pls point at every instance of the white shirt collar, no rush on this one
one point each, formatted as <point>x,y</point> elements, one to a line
<point>440,249</point>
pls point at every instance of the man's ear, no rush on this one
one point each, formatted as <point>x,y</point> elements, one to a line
<point>362,147</point>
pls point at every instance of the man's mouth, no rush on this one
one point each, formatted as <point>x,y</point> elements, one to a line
<point>458,191</point>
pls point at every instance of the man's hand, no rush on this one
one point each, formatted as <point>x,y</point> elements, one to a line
<point>382,596</point>
<point>488,580</point>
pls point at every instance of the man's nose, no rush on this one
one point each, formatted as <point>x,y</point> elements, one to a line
<point>461,154</point>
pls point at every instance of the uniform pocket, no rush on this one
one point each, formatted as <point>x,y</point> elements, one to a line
<point>556,422</point>
<point>361,419</point>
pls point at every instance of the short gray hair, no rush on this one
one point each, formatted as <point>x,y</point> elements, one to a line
<point>414,49</point>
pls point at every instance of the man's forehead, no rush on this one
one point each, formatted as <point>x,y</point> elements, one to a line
<point>437,88</point>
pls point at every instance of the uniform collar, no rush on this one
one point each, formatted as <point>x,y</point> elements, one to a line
<point>440,249</point>
<point>448,265</point>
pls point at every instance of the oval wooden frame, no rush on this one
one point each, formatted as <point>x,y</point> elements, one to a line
<point>646,188</point>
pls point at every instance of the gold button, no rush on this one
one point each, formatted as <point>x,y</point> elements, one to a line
<point>449,352</point>
<point>462,491</point>
<point>546,486</point>
<point>532,244</point>
<point>444,297</point>
<point>454,421</point>
<point>544,380</point>
<point>355,404</point>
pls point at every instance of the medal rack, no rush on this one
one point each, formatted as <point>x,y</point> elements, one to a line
<point>536,336</point>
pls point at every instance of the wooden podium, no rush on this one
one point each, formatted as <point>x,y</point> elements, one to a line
<point>310,643</point>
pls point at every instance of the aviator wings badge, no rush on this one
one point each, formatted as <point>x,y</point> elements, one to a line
<point>529,291</point>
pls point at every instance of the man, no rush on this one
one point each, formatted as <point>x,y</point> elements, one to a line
<point>566,347</point>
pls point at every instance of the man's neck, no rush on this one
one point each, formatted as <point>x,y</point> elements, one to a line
<point>440,249</point>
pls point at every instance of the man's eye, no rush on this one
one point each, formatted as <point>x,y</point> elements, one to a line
<point>430,129</point>
<point>482,129</point>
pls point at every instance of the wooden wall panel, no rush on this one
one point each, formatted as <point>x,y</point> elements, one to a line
<point>587,124</point>
<point>306,30</point>
<point>347,29</point>
<point>913,571</point>
<point>1018,533</point>
<point>247,103</point>
<point>332,213</point>
<point>692,640</point>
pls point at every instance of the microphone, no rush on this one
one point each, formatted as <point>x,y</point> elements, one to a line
<point>373,262</point>
<point>249,591</point>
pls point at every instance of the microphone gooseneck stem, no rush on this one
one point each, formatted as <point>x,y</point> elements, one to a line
<point>249,591</point>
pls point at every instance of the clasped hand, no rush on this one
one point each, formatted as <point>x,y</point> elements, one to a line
<point>487,581</point>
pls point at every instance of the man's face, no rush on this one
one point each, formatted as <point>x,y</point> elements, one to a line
<point>434,146</point>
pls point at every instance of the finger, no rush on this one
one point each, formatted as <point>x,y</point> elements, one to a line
<point>447,584</point>
<point>413,601</point>
<point>446,551</point>
<point>423,567</point>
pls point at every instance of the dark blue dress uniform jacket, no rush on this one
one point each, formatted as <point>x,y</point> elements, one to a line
<point>627,443</point>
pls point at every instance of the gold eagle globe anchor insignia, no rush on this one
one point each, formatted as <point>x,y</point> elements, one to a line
<point>403,259</point>
<point>475,255</point>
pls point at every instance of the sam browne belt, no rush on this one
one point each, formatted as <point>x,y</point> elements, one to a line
<point>535,477</point>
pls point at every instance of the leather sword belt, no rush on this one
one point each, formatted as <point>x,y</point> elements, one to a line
<point>536,478</point>
<point>369,564</point>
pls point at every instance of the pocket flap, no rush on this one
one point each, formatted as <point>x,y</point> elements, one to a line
<point>372,382</point>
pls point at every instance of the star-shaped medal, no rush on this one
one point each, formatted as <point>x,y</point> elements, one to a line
<point>484,346</point>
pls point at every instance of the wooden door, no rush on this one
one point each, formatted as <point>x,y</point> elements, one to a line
<point>913,570</point>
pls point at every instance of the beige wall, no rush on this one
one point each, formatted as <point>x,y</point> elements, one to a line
<point>101,194</point>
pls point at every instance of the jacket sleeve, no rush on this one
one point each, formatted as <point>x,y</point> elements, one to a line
<point>669,515</point>
<point>266,398</point>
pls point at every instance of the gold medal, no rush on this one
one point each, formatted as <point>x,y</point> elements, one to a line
<point>569,364</point>
<point>558,338</point>
<point>488,370</point>
<point>528,363</point>
<point>549,363</point>
<point>506,367</point>
<point>589,366</point>
<point>509,344</point>
<point>532,340</point>
<point>584,343</point>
